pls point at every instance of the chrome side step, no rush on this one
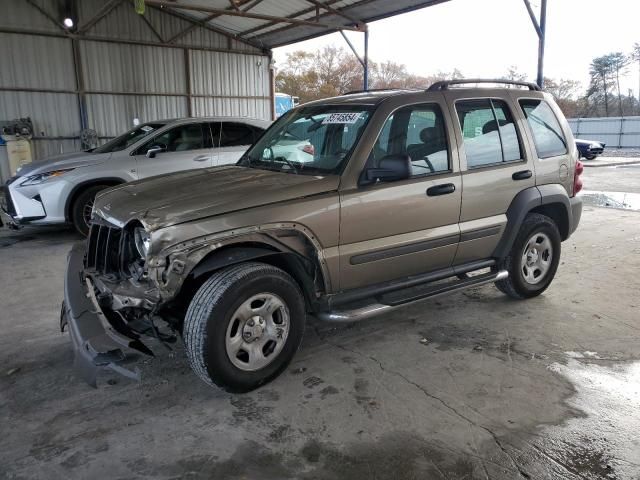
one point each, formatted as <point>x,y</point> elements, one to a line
<point>382,305</point>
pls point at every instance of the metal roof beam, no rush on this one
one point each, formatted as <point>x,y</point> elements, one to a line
<point>297,14</point>
<point>534,20</point>
<point>46,14</point>
<point>99,16</point>
<point>243,14</point>
<point>190,28</point>
<point>335,11</point>
<point>206,20</point>
<point>250,5</point>
<point>204,24</point>
<point>152,28</point>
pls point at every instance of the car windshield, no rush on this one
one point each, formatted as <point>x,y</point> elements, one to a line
<point>127,139</point>
<point>310,140</point>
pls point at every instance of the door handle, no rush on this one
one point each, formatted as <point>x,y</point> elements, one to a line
<point>522,175</point>
<point>201,158</point>
<point>443,189</point>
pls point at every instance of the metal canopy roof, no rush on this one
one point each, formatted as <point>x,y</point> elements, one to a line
<point>274,23</point>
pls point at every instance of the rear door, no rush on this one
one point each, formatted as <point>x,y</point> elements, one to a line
<point>185,147</point>
<point>235,139</point>
<point>394,229</point>
<point>552,151</point>
<point>496,165</point>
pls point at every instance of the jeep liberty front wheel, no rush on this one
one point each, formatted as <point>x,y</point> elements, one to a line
<point>533,259</point>
<point>243,326</point>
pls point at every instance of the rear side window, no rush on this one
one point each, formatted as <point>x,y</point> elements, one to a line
<point>488,131</point>
<point>547,134</point>
<point>236,134</point>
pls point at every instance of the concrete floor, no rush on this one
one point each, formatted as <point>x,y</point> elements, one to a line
<point>500,389</point>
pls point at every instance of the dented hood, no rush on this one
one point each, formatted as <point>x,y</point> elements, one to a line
<point>185,196</point>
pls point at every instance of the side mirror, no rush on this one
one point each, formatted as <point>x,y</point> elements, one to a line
<point>155,149</point>
<point>391,168</point>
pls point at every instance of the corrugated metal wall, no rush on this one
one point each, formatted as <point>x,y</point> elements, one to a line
<point>616,132</point>
<point>122,75</point>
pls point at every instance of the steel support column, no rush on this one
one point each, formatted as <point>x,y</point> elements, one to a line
<point>364,61</point>
<point>541,41</point>
<point>540,27</point>
<point>365,66</point>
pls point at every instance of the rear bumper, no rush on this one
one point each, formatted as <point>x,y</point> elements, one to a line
<point>576,213</point>
<point>96,344</point>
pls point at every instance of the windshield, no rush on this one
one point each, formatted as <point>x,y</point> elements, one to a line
<point>127,139</point>
<point>311,140</point>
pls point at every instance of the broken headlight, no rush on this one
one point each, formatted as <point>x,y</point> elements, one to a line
<point>142,240</point>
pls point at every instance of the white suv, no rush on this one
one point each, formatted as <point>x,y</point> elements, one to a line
<point>62,188</point>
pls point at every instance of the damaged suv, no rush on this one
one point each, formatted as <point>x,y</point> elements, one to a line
<point>399,196</point>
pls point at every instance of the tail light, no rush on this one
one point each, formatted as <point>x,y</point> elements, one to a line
<point>309,148</point>
<point>577,181</point>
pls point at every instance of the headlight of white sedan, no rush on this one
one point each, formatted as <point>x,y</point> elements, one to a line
<point>41,177</point>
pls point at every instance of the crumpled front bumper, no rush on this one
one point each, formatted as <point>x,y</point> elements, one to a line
<point>96,343</point>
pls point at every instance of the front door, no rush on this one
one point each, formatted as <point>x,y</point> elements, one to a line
<point>184,147</point>
<point>394,229</point>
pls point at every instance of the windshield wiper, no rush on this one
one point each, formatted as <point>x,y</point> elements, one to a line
<point>283,159</point>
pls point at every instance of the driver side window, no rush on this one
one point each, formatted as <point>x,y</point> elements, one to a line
<point>180,139</point>
<point>417,131</point>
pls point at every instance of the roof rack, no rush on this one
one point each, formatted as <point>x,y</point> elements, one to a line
<point>445,84</point>
<point>353,92</point>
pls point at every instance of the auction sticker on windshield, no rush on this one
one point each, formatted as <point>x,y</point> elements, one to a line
<point>342,118</point>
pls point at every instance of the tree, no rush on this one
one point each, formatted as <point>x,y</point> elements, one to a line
<point>514,74</point>
<point>565,92</point>
<point>635,55</point>
<point>619,62</point>
<point>600,70</point>
<point>332,71</point>
<point>388,75</point>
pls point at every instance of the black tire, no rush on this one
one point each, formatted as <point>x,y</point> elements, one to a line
<point>590,157</point>
<point>210,313</point>
<point>83,201</point>
<point>515,284</point>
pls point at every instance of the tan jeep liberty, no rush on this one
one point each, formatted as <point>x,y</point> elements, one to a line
<point>345,208</point>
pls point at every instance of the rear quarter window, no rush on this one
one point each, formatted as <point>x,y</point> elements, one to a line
<point>547,134</point>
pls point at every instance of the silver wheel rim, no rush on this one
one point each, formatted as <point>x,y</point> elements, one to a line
<point>536,258</point>
<point>257,332</point>
<point>86,212</point>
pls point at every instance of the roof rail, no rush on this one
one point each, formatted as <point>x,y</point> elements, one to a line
<point>444,84</point>
<point>353,92</point>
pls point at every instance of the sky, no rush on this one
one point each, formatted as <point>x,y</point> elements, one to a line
<point>483,38</point>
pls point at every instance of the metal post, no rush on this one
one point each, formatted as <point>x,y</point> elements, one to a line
<point>366,60</point>
<point>187,79</point>
<point>543,28</point>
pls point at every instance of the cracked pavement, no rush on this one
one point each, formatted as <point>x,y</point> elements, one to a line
<point>473,385</point>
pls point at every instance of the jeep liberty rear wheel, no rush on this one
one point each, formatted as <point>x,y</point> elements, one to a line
<point>243,326</point>
<point>533,259</point>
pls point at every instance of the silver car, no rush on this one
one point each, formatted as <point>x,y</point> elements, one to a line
<point>62,188</point>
